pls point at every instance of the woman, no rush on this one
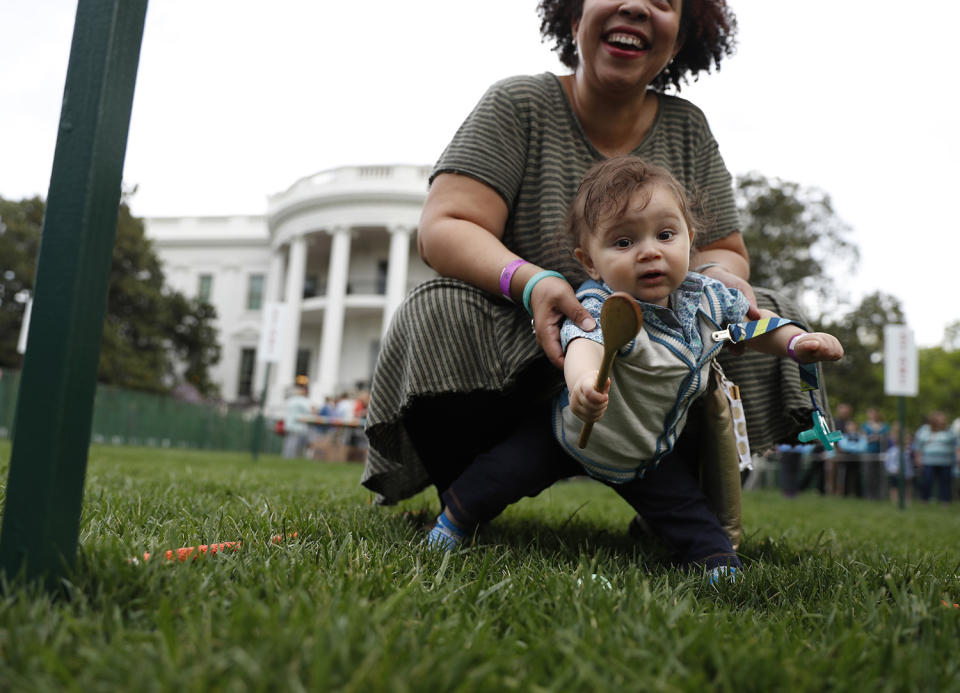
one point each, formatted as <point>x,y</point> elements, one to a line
<point>460,364</point>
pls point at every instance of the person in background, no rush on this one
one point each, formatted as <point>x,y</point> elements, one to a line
<point>938,447</point>
<point>361,404</point>
<point>891,464</point>
<point>328,410</point>
<point>816,472</point>
<point>841,415</point>
<point>791,457</point>
<point>845,472</point>
<point>296,435</point>
<point>345,406</point>
<point>850,448</point>
<point>876,433</point>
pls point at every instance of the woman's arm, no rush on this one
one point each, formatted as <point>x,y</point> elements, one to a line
<point>461,225</point>
<point>460,232</point>
<point>732,266</point>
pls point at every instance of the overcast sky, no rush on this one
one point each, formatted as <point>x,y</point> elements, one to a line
<point>237,99</point>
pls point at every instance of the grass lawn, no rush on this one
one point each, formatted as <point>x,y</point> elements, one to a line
<point>837,594</point>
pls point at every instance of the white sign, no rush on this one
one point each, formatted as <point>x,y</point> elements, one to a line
<point>25,328</point>
<point>273,334</point>
<point>899,361</point>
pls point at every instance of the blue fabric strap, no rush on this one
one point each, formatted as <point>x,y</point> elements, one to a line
<point>742,331</point>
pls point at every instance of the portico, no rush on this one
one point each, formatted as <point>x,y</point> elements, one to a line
<point>340,259</point>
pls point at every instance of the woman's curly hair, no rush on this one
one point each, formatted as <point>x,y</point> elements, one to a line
<point>709,28</point>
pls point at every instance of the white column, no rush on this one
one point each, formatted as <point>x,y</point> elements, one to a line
<point>293,297</point>
<point>271,292</point>
<point>332,338</point>
<point>397,266</point>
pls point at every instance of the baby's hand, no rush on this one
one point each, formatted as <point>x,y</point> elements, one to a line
<point>586,402</point>
<point>817,346</point>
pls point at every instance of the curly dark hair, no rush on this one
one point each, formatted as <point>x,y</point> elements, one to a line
<point>608,188</point>
<point>709,28</point>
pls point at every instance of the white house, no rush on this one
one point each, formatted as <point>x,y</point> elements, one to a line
<point>337,247</point>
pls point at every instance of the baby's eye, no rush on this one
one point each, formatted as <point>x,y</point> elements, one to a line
<point>666,234</point>
<point>622,243</point>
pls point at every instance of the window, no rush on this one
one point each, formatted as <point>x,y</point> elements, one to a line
<point>248,358</point>
<point>205,287</point>
<point>381,287</point>
<point>311,285</point>
<point>303,362</point>
<point>255,292</point>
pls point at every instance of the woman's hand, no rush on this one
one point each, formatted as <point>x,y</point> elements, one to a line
<point>732,281</point>
<point>552,300</point>
<point>586,402</point>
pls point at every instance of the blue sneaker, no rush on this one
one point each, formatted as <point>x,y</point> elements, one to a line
<point>445,536</point>
<point>729,574</point>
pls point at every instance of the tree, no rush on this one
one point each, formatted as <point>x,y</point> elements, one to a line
<point>153,337</point>
<point>194,340</point>
<point>858,378</point>
<point>951,336</point>
<point>938,384</point>
<point>797,242</point>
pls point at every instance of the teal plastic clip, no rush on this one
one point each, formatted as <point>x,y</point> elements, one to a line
<point>820,431</point>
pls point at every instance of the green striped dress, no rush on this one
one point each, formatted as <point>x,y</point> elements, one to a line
<point>525,142</point>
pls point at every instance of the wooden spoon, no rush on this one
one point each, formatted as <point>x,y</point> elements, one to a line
<point>620,319</point>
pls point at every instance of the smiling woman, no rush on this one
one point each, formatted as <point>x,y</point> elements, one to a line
<point>707,37</point>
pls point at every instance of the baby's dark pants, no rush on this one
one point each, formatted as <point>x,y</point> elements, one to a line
<point>668,497</point>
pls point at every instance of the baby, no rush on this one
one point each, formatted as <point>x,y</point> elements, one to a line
<point>632,230</point>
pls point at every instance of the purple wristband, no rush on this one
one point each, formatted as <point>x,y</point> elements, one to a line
<point>793,340</point>
<point>506,276</point>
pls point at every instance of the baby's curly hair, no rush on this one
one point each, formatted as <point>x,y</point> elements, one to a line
<point>709,28</point>
<point>608,188</point>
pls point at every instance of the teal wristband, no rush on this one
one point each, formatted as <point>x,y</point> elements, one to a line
<point>532,282</point>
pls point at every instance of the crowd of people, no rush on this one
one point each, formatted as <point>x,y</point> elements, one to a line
<point>868,460</point>
<point>332,431</point>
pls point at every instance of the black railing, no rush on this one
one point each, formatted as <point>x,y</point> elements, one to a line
<point>376,286</point>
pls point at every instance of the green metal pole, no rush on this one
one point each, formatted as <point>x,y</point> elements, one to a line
<point>902,474</point>
<point>48,460</point>
<point>258,426</point>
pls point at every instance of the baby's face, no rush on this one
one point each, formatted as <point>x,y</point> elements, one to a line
<point>645,251</point>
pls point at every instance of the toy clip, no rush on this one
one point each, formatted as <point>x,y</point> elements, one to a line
<point>820,432</point>
<point>722,336</point>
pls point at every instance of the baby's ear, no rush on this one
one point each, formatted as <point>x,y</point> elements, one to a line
<point>584,257</point>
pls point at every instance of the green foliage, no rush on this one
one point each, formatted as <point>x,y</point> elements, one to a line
<point>858,378</point>
<point>194,339</point>
<point>796,241</point>
<point>938,383</point>
<point>837,593</point>
<point>951,336</point>
<point>153,337</point>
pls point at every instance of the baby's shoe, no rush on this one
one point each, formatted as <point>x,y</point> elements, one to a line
<point>722,572</point>
<point>445,536</point>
